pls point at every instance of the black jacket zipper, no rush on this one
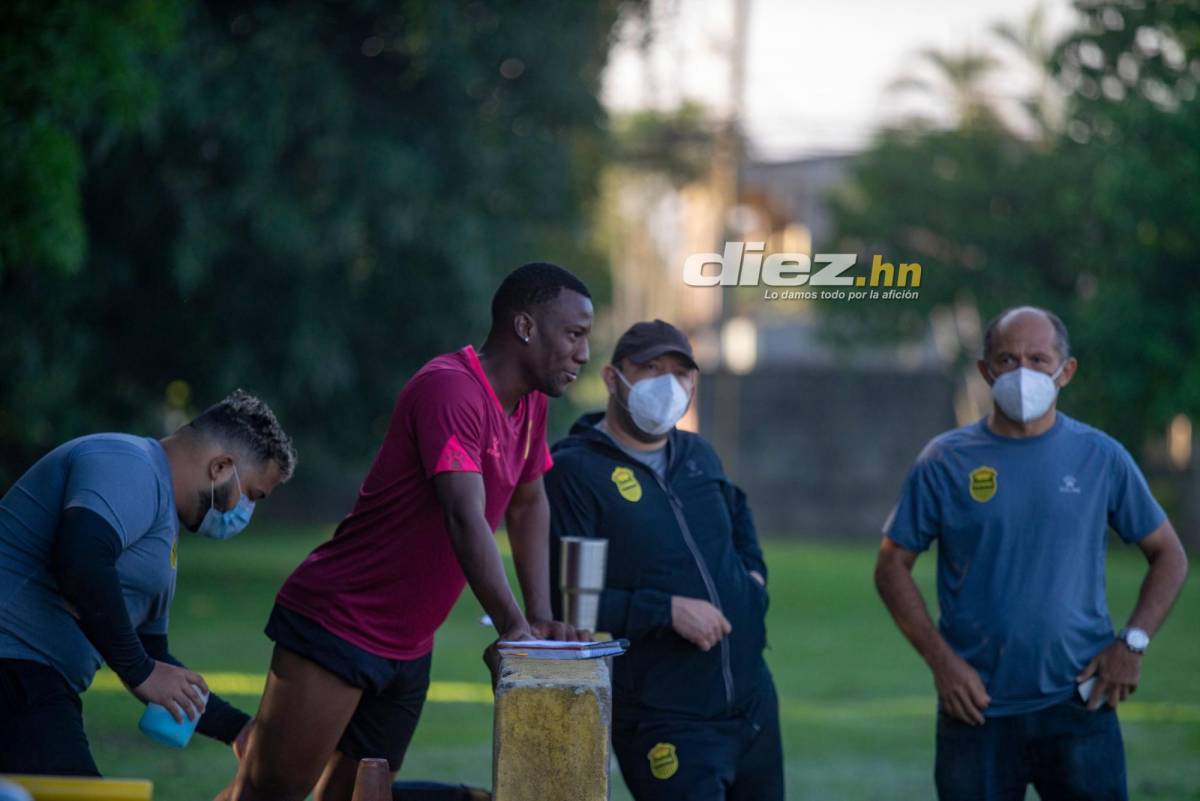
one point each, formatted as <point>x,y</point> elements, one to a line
<point>713,597</point>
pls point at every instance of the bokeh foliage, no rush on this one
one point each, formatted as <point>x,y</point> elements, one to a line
<point>1094,215</point>
<point>305,199</point>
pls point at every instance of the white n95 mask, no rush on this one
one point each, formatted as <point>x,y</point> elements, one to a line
<point>656,404</point>
<point>1025,394</point>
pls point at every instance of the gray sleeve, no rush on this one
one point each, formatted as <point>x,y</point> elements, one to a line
<point>916,520</point>
<point>119,485</point>
<point>1132,510</point>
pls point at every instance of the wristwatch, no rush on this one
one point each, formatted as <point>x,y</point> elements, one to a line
<point>1135,640</point>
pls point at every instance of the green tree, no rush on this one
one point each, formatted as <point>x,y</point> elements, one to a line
<point>1096,222</point>
<point>325,196</point>
<point>1134,133</point>
<point>65,67</point>
<point>74,77</point>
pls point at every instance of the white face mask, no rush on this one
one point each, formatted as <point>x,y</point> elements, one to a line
<point>1025,394</point>
<point>656,404</point>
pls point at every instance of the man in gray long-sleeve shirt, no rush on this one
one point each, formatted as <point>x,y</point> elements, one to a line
<point>88,553</point>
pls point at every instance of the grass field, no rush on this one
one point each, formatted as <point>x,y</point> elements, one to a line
<point>857,704</point>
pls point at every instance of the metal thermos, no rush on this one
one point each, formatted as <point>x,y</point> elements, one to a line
<point>581,578</point>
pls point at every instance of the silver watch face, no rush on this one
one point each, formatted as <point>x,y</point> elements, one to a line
<point>1137,639</point>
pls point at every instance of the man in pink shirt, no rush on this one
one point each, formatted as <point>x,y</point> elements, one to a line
<point>353,625</point>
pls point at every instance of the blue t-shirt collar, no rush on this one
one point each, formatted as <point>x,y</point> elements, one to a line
<point>1045,435</point>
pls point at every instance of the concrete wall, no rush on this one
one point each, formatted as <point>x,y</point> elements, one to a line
<point>820,451</point>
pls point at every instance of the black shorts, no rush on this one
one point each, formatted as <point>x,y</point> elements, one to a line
<point>393,689</point>
<point>41,722</point>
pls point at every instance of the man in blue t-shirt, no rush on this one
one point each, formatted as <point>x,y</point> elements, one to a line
<point>88,551</point>
<point>1020,504</point>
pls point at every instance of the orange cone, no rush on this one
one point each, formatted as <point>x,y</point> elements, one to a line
<point>373,782</point>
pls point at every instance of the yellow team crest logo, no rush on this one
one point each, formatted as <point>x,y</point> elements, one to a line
<point>627,484</point>
<point>983,483</point>
<point>175,551</point>
<point>663,761</point>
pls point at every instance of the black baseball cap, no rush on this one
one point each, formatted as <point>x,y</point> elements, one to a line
<point>647,340</point>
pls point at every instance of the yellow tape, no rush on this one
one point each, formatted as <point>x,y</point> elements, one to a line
<point>62,788</point>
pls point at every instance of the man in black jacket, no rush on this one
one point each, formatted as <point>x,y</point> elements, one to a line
<point>695,710</point>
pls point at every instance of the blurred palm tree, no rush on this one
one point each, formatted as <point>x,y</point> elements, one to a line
<point>1032,41</point>
<point>957,82</point>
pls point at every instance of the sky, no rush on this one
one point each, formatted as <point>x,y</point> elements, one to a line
<point>817,74</point>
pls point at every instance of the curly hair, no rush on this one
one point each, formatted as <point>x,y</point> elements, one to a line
<point>245,421</point>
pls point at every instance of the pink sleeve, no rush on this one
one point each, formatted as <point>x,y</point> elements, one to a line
<point>448,424</point>
<point>537,454</point>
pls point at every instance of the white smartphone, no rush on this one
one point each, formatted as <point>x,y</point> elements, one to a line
<point>1085,691</point>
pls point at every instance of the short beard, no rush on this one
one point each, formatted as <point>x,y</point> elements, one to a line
<point>207,500</point>
<point>552,390</point>
<point>202,502</point>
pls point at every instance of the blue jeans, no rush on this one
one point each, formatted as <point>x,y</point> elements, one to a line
<point>1065,751</point>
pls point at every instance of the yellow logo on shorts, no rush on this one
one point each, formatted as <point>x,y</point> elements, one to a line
<point>175,551</point>
<point>663,762</point>
<point>983,483</point>
<point>627,484</point>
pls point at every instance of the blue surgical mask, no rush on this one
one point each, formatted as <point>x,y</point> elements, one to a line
<point>223,525</point>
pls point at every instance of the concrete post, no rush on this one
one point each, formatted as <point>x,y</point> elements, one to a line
<point>551,737</point>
